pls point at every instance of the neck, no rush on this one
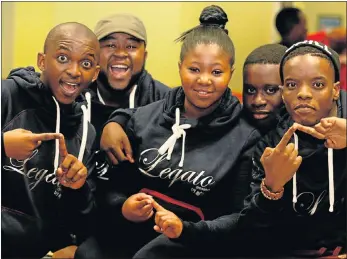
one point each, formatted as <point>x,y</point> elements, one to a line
<point>191,111</point>
<point>333,111</point>
<point>111,97</point>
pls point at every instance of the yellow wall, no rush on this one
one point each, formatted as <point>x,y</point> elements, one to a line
<point>313,10</point>
<point>250,25</point>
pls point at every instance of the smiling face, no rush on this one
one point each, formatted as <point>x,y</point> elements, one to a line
<point>261,92</point>
<point>205,73</point>
<point>69,65</point>
<point>309,91</point>
<point>122,57</point>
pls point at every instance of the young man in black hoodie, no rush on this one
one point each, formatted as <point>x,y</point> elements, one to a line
<point>262,96</point>
<point>298,202</point>
<point>44,198</point>
<point>192,152</point>
<point>123,81</point>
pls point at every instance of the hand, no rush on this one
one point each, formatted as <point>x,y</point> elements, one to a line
<point>138,207</point>
<point>167,222</point>
<point>20,143</point>
<point>71,173</point>
<point>332,129</point>
<point>280,163</point>
<point>116,143</point>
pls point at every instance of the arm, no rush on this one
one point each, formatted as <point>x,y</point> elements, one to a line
<point>114,141</point>
<point>121,116</point>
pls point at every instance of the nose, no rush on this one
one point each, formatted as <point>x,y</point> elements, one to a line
<point>204,80</point>
<point>120,53</point>
<point>74,70</point>
<point>259,101</point>
<point>304,92</point>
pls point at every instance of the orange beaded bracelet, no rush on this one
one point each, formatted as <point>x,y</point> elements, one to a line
<point>269,194</point>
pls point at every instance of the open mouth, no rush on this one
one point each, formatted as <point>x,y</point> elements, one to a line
<point>119,71</point>
<point>69,88</point>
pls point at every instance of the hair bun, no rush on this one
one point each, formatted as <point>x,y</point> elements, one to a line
<point>213,15</point>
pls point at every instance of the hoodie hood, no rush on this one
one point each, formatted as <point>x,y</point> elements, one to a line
<point>29,81</point>
<point>223,117</point>
<point>65,117</point>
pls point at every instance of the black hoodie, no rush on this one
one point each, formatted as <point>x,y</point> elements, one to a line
<point>284,226</point>
<point>215,173</point>
<point>148,90</point>
<point>34,219</point>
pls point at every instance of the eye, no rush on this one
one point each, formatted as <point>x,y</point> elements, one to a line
<point>271,90</point>
<point>87,64</point>
<point>291,85</point>
<point>111,45</point>
<point>318,84</point>
<point>217,72</point>
<point>250,90</point>
<point>131,47</point>
<point>194,69</point>
<point>62,59</point>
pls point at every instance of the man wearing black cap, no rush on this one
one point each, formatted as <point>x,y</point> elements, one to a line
<point>298,202</point>
<point>123,81</point>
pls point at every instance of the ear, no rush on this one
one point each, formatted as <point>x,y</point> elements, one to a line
<point>336,91</point>
<point>146,54</point>
<point>96,74</point>
<point>41,61</point>
<point>179,67</point>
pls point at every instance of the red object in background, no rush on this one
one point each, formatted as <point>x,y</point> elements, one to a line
<point>319,36</point>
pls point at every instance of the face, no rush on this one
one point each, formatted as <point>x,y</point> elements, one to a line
<point>122,56</point>
<point>69,66</point>
<point>261,92</point>
<point>205,74</point>
<point>309,90</point>
<point>299,31</point>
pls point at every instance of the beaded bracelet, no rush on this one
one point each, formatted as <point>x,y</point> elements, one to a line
<point>269,194</point>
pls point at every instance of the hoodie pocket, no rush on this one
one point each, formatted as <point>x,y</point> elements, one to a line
<point>183,210</point>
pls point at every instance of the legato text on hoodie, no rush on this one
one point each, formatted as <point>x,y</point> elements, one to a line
<point>200,176</point>
<point>35,218</point>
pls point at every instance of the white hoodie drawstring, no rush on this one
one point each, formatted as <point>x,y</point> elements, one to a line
<point>89,102</point>
<point>57,130</point>
<point>331,177</point>
<point>132,98</point>
<point>177,132</point>
<point>84,135</point>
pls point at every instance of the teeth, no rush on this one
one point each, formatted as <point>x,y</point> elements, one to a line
<point>120,66</point>
<point>202,92</point>
<point>71,84</point>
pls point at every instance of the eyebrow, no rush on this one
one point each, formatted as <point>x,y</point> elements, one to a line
<point>265,85</point>
<point>68,49</point>
<point>320,77</point>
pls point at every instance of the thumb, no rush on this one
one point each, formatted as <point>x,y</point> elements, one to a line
<point>157,206</point>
